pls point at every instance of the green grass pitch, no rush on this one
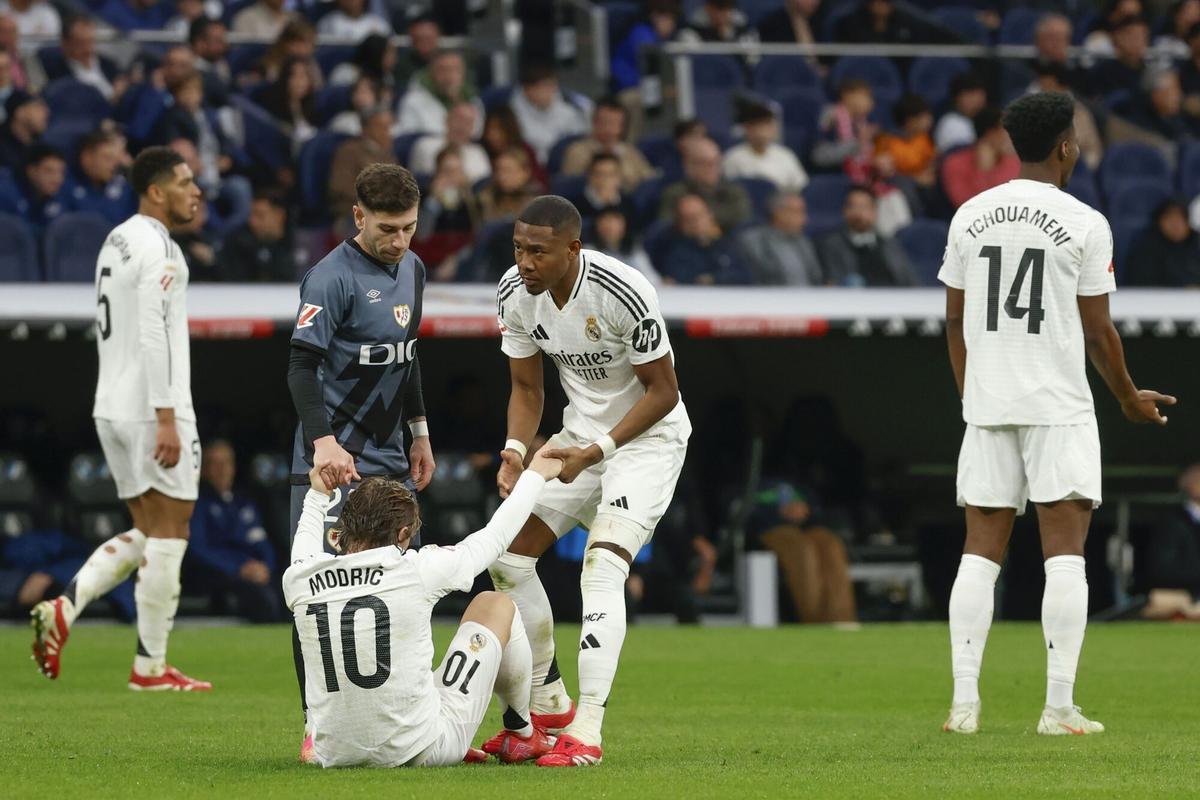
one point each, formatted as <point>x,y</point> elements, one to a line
<point>696,713</point>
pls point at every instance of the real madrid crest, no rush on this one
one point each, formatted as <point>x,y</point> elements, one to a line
<point>592,329</point>
<point>403,314</point>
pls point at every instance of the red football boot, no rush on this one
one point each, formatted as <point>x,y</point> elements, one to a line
<point>50,632</point>
<point>512,749</point>
<point>172,680</point>
<point>570,752</point>
<point>308,755</point>
<point>553,723</point>
<point>474,756</point>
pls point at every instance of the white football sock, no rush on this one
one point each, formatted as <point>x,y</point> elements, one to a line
<point>517,577</point>
<point>514,681</point>
<point>972,601</point>
<point>603,587</point>
<point>1064,618</point>
<point>157,596</point>
<point>107,566</point>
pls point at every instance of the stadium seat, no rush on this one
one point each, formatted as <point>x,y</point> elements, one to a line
<point>1189,170</point>
<point>880,72</point>
<point>963,21</point>
<point>244,57</point>
<point>646,196</point>
<point>1083,188</point>
<point>760,191</point>
<point>332,100</point>
<point>1018,25</point>
<point>802,109</point>
<point>495,96</point>
<point>1133,160</point>
<point>98,512</point>
<point>312,175</point>
<point>19,256</point>
<point>455,498</point>
<point>925,242</point>
<point>403,144</point>
<point>73,242</point>
<point>784,72</point>
<point>622,16</point>
<point>715,82</point>
<point>656,238</point>
<point>568,186</point>
<point>329,56</point>
<point>930,77</point>
<point>1125,233</point>
<point>555,158</point>
<point>69,99</point>
<point>1135,199</point>
<point>659,150</point>
<point>825,195</point>
<point>266,143</point>
<point>18,494</point>
<point>66,135</point>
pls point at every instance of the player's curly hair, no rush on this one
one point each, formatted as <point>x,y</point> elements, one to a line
<point>374,513</point>
<point>386,189</point>
<point>152,165</point>
<point>1037,122</point>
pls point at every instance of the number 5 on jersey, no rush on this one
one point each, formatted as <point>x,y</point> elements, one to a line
<point>1031,260</point>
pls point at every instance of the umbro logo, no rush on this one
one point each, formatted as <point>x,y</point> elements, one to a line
<point>590,642</point>
<point>375,295</point>
<point>620,502</point>
<point>539,334</point>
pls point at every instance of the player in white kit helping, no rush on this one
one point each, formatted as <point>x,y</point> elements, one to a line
<point>363,621</point>
<point>1028,270</point>
<point>145,422</point>
<point>623,443</point>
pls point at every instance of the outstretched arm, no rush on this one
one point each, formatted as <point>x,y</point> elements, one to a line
<point>524,415</point>
<point>310,532</point>
<point>1108,357</point>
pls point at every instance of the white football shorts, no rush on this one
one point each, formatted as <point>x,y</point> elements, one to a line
<point>129,450</point>
<point>1006,466</point>
<point>464,680</point>
<point>635,483</point>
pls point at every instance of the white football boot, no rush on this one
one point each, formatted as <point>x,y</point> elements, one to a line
<point>1067,721</point>
<point>964,718</point>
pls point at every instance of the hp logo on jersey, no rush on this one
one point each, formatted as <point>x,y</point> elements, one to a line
<point>380,355</point>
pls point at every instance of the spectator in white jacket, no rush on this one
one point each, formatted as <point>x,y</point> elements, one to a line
<point>761,155</point>
<point>431,93</point>
<point>351,20</point>
<point>544,114</point>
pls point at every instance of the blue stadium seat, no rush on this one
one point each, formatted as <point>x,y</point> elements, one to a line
<point>312,175</point>
<point>19,256</point>
<point>802,110</point>
<point>962,20</point>
<point>555,158</point>
<point>1125,233</point>
<point>880,72</point>
<point>825,195</point>
<point>244,57</point>
<point>659,150</point>
<point>1083,188</point>
<point>760,191</point>
<point>568,186</point>
<point>72,243</point>
<point>266,143</point>
<point>496,96</point>
<point>784,72</point>
<point>925,242</point>
<point>332,100</point>
<point>646,197</point>
<point>621,19</point>
<point>65,136</point>
<point>330,55</point>
<point>837,11</point>
<point>70,99</point>
<point>1189,171</point>
<point>1018,25</point>
<point>1133,200</point>
<point>715,81</point>
<point>656,239</point>
<point>1133,160</point>
<point>931,77</point>
<point>403,144</point>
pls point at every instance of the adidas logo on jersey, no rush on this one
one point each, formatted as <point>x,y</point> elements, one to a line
<point>590,642</point>
<point>539,334</point>
<point>620,502</point>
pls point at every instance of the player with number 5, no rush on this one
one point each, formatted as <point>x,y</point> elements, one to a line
<point>1028,270</point>
<point>623,442</point>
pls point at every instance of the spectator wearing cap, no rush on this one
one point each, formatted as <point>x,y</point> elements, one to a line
<point>761,155</point>
<point>780,253</point>
<point>727,201</point>
<point>987,163</point>
<point>351,20</point>
<point>1167,254</point>
<point>26,119</point>
<point>228,550</point>
<point>97,185</point>
<point>33,17</point>
<point>25,68</point>
<point>264,19</point>
<point>699,252</point>
<point>857,254</point>
<point>432,92</point>
<point>956,128</point>
<point>80,60</point>
<point>41,195</point>
<point>1130,39</point>
<point>1054,78</point>
<point>352,156</point>
<point>544,114</point>
<point>263,250</point>
<point>609,122</point>
<point>462,120</point>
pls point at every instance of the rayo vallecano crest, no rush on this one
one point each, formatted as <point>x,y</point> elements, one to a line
<point>403,314</point>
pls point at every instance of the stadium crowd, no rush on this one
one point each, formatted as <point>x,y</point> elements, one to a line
<point>795,171</point>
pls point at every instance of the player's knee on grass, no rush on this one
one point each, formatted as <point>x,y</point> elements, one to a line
<point>494,611</point>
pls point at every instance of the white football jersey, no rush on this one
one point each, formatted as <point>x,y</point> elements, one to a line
<point>142,325</point>
<point>365,634</point>
<point>1023,252</point>
<point>610,324</point>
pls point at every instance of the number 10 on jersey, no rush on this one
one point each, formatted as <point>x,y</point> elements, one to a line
<point>1032,260</point>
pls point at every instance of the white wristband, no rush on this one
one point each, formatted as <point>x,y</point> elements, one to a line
<point>606,444</point>
<point>419,428</point>
<point>517,445</point>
